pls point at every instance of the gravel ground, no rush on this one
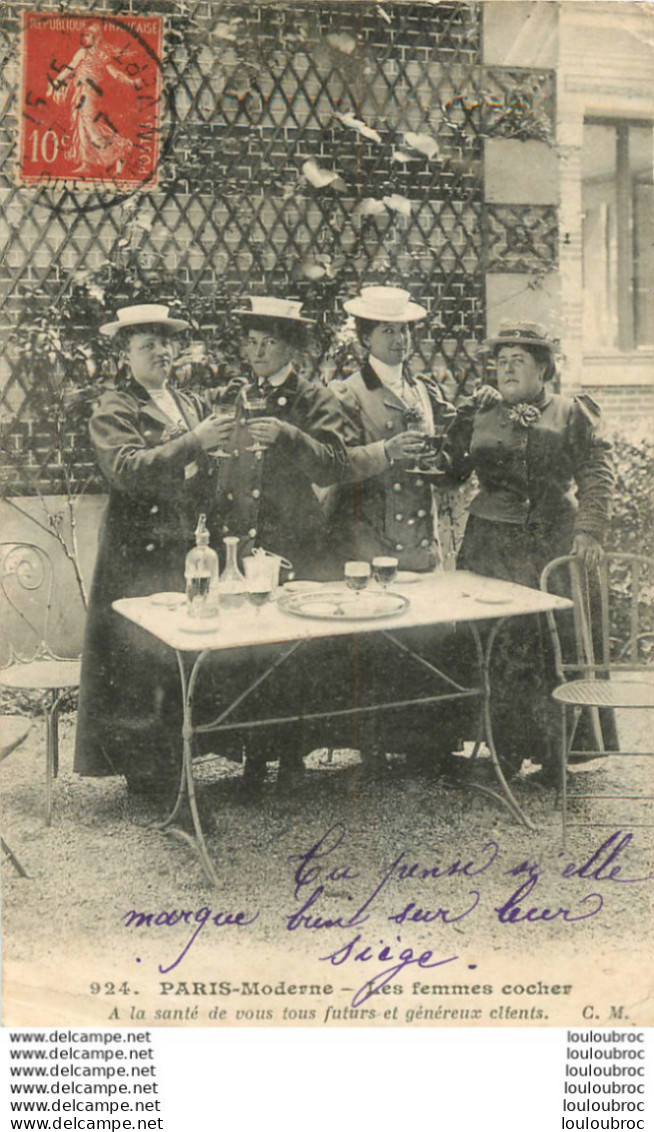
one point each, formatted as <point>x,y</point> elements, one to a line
<point>101,857</point>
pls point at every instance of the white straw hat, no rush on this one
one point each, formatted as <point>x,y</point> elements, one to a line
<point>142,314</point>
<point>385,304</point>
<point>266,306</point>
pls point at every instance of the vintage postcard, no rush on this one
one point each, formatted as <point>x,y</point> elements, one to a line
<point>326,328</point>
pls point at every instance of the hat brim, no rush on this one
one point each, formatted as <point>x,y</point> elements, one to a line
<point>276,317</point>
<point>519,340</point>
<point>413,312</point>
<point>110,329</point>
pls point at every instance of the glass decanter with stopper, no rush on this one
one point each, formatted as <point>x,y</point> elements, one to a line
<point>201,574</point>
<point>232,588</point>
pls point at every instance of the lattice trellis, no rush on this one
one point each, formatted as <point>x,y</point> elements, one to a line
<point>253,93</point>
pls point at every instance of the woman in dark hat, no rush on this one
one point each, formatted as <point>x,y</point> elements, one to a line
<point>151,443</point>
<point>266,498</point>
<point>545,487</point>
<point>266,490</point>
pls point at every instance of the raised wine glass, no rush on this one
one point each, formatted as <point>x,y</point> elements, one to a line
<point>384,570</point>
<point>414,418</point>
<point>223,414</point>
<point>255,407</point>
<point>357,575</point>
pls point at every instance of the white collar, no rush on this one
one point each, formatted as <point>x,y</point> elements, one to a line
<point>390,375</point>
<point>277,379</point>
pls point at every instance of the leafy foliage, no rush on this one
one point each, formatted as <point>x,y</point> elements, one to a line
<point>632,532</point>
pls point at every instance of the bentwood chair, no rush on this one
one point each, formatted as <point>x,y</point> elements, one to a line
<point>27,588</point>
<point>608,662</point>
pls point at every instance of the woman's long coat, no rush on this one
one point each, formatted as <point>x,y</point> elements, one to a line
<point>267,499</point>
<point>159,481</point>
<point>382,509</point>
<point>543,478</point>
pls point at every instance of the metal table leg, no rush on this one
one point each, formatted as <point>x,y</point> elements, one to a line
<point>484,653</point>
<point>186,789</point>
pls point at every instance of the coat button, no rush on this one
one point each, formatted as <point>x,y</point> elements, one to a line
<point>397,487</point>
<point>154,510</point>
<point>256,493</point>
<point>389,424</point>
<point>420,482</point>
<point>398,546</point>
<point>252,532</point>
<point>399,517</point>
<point>421,513</point>
<point>411,522</point>
<point>150,547</point>
<point>235,453</point>
<point>230,496</point>
<point>424,542</point>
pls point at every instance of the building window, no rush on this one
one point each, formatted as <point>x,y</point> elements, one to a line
<point>618,235</point>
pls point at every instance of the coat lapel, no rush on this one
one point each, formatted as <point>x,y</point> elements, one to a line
<point>379,405</point>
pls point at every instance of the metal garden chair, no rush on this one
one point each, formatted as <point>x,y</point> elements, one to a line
<point>608,671</point>
<point>26,598</point>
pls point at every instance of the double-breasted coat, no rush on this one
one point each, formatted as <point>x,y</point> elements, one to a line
<point>267,498</point>
<point>382,509</point>
<point>159,480</point>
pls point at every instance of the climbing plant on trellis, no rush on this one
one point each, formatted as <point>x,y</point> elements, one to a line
<point>306,150</point>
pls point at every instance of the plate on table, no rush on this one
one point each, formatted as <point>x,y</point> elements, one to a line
<point>344,605</point>
<point>199,625</point>
<point>408,577</point>
<point>298,587</point>
<point>486,594</point>
<point>168,600</point>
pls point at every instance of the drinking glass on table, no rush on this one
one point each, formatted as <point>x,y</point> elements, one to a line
<point>259,591</point>
<point>384,570</point>
<point>357,575</point>
<point>260,578</point>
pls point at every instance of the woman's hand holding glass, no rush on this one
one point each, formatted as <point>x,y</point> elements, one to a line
<point>214,432</point>
<point>266,431</point>
<point>407,445</point>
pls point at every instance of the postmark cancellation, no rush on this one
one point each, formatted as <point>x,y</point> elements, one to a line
<point>91,100</point>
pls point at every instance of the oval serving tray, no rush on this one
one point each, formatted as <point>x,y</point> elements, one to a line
<point>344,605</point>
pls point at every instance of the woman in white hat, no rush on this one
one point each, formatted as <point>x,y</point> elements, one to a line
<point>387,508</point>
<point>151,443</point>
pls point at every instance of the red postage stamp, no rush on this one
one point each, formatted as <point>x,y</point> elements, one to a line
<point>90,99</point>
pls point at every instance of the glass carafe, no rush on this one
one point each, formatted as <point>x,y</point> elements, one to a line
<point>232,588</point>
<point>201,574</point>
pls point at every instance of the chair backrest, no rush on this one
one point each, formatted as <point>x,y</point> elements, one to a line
<point>610,607</point>
<point>26,598</point>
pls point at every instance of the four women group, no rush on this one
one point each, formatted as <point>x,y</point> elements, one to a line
<point>545,483</point>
